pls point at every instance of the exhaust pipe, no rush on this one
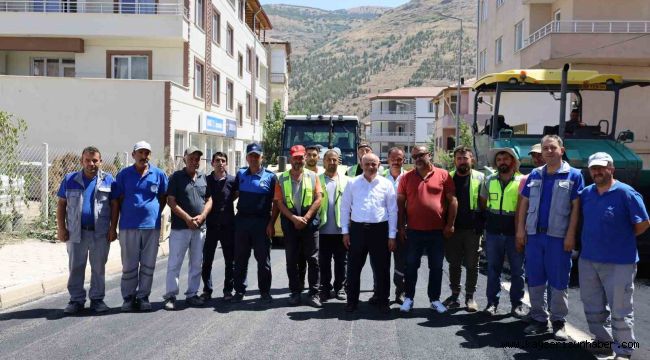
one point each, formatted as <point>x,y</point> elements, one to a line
<point>563,91</point>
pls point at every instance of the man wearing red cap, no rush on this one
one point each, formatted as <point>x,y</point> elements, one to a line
<point>298,197</point>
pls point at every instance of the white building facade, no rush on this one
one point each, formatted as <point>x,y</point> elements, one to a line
<point>174,73</point>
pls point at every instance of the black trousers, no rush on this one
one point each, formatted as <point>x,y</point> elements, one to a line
<point>331,246</point>
<point>250,234</point>
<point>226,235</point>
<point>369,239</point>
<point>301,245</point>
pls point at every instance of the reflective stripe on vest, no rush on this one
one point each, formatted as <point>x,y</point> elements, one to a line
<point>341,181</point>
<point>503,201</point>
<point>307,190</point>
<point>474,185</point>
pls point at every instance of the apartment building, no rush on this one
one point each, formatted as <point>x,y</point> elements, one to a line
<point>402,117</point>
<point>109,73</point>
<point>602,35</point>
<point>280,52</point>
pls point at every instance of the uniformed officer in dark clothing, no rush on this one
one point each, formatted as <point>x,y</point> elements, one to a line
<point>253,224</point>
<point>224,190</point>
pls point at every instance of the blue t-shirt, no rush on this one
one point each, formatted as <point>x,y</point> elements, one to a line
<point>88,207</point>
<point>140,207</point>
<point>573,175</point>
<point>255,192</point>
<point>608,225</point>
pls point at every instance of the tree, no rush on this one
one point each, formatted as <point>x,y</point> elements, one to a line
<point>12,131</point>
<point>272,133</point>
<point>444,157</point>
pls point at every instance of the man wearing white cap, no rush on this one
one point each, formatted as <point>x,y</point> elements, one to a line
<point>138,200</point>
<point>614,214</point>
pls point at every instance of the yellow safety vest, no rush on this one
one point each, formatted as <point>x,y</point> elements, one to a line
<point>307,189</point>
<point>352,171</point>
<point>503,201</point>
<point>474,185</point>
<point>341,183</point>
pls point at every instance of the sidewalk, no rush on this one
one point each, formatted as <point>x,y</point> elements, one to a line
<point>34,268</point>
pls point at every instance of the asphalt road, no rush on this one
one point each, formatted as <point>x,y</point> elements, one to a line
<point>251,330</point>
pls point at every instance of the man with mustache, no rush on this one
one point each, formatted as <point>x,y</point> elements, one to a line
<point>138,199</point>
<point>499,198</point>
<point>83,216</point>
<point>547,221</point>
<point>465,243</point>
<point>614,215</point>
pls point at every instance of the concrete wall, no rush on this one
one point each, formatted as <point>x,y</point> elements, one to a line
<point>73,113</point>
<point>610,10</point>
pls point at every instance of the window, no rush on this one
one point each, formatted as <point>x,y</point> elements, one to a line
<point>230,40</point>
<point>430,128</point>
<point>125,6</point>
<point>179,144</point>
<point>519,35</point>
<point>484,10</point>
<point>482,61</point>
<point>557,16</point>
<point>240,115</point>
<point>257,109</point>
<point>216,87</point>
<point>237,159</point>
<point>199,77</point>
<point>248,105</point>
<point>240,65</point>
<point>230,89</point>
<point>130,67</point>
<point>257,66</point>
<point>241,10</point>
<point>216,26</point>
<point>498,57</point>
<point>53,67</point>
<point>199,16</point>
<point>500,2</point>
<point>452,103</point>
<point>211,146</point>
<point>431,106</point>
<point>249,59</point>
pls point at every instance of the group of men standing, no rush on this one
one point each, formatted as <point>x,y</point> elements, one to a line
<point>533,220</point>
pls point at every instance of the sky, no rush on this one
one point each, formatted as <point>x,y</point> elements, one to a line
<point>336,4</point>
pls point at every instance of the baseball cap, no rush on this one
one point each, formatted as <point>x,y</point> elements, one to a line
<point>192,150</point>
<point>297,150</point>
<point>254,148</point>
<point>142,145</point>
<point>600,159</point>
<point>537,148</point>
<point>362,145</point>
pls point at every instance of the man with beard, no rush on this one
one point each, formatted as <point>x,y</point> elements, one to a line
<point>465,243</point>
<point>614,214</point>
<point>368,224</point>
<point>499,198</point>
<point>330,239</point>
<point>83,216</point>
<point>546,225</point>
<point>138,199</point>
<point>298,197</point>
<point>357,169</point>
<point>424,196</point>
<point>312,154</point>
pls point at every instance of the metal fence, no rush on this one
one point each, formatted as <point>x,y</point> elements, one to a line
<point>28,187</point>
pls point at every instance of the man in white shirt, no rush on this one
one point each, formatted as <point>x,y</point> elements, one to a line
<point>369,225</point>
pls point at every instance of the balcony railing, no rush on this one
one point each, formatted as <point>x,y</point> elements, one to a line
<point>392,133</point>
<point>393,112</point>
<point>110,7</point>
<point>278,78</point>
<point>588,27</point>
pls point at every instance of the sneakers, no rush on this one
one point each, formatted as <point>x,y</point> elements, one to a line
<point>325,295</point>
<point>438,307</point>
<point>129,304</point>
<point>341,295</point>
<point>266,297</point>
<point>471,304</point>
<point>407,305</point>
<point>144,304</point>
<point>490,309</point>
<point>294,299</point>
<point>170,304</point>
<point>399,298</point>
<point>559,332</point>
<point>98,306</point>
<point>451,302</point>
<point>227,296</point>
<point>237,298</point>
<point>206,296</point>
<point>314,301</point>
<point>194,301</point>
<point>518,311</point>
<point>73,308</point>
<point>374,300</point>
<point>622,357</point>
<point>536,327</point>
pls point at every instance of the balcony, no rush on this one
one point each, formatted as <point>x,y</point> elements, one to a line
<point>392,115</point>
<point>597,41</point>
<point>391,136</point>
<point>71,18</point>
<point>278,78</point>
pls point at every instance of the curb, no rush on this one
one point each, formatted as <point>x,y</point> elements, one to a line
<point>20,294</point>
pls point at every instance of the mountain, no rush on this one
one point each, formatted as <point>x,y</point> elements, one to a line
<point>341,57</point>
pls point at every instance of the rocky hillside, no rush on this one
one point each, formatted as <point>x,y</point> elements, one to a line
<point>341,57</point>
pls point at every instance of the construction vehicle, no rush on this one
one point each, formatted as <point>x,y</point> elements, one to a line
<point>579,142</point>
<point>326,131</point>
